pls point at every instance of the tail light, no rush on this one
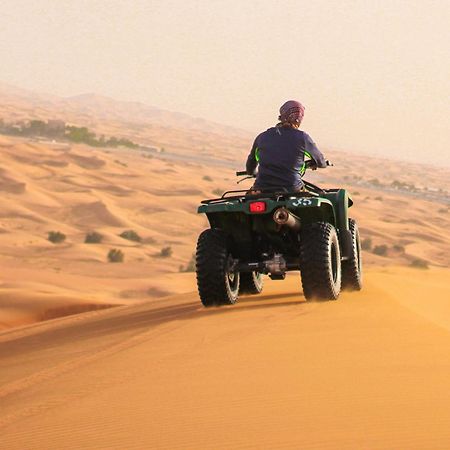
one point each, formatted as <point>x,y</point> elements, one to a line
<point>258,207</point>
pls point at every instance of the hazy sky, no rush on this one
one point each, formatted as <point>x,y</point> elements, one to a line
<point>374,75</point>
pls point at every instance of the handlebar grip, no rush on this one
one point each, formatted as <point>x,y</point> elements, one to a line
<point>241,173</point>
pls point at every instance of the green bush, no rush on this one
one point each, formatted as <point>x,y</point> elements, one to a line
<point>166,252</point>
<point>131,235</point>
<point>380,250</point>
<point>81,135</point>
<point>56,237</point>
<point>366,244</point>
<point>419,263</point>
<point>93,238</point>
<point>115,255</point>
<point>84,135</point>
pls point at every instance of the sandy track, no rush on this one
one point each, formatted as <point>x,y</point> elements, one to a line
<point>370,371</point>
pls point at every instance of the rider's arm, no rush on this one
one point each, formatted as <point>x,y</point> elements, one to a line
<point>251,160</point>
<point>315,153</point>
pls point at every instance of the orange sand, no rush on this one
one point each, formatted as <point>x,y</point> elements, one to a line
<point>369,371</point>
<point>77,189</point>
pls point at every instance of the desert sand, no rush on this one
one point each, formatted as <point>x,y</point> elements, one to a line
<point>77,190</point>
<point>96,354</point>
<point>369,371</point>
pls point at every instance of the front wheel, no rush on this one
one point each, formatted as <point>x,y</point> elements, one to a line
<point>217,279</point>
<point>251,283</point>
<point>320,261</point>
<point>352,267</point>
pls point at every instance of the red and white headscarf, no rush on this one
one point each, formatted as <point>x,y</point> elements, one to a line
<point>292,112</point>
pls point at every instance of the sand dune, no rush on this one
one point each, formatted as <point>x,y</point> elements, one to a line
<point>145,366</point>
<point>96,214</point>
<point>369,371</point>
<point>77,189</point>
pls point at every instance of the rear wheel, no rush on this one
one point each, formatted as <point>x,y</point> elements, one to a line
<point>217,279</point>
<point>352,267</point>
<point>320,262</point>
<point>251,283</point>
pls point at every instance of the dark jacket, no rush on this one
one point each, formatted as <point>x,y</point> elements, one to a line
<point>280,153</point>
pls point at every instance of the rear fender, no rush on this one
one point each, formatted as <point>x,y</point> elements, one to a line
<point>235,216</point>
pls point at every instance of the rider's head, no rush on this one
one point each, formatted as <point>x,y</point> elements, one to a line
<point>291,114</point>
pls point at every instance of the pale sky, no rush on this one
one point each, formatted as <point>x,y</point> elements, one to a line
<point>374,75</point>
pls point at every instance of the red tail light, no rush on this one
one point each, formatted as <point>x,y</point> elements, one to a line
<point>258,207</point>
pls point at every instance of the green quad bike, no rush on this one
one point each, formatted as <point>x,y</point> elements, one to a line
<point>273,232</point>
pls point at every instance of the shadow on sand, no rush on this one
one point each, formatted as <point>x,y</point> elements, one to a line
<point>123,322</point>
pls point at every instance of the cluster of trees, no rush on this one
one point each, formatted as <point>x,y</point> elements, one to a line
<point>85,136</point>
<point>58,129</point>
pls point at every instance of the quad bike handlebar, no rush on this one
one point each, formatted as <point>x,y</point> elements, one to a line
<point>309,164</point>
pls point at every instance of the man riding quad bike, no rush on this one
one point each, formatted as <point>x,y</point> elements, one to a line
<point>282,223</point>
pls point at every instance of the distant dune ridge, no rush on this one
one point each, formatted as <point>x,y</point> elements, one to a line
<point>143,123</point>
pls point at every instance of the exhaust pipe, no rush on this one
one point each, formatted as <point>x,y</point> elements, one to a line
<point>284,217</point>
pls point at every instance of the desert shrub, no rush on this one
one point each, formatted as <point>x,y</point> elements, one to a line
<point>115,255</point>
<point>217,192</point>
<point>190,266</point>
<point>93,238</point>
<point>419,263</point>
<point>131,235</point>
<point>166,252</point>
<point>80,134</point>
<point>366,244</point>
<point>399,248</point>
<point>380,250</point>
<point>207,178</point>
<point>379,198</point>
<point>56,237</point>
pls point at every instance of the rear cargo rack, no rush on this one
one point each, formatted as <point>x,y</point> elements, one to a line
<point>245,196</point>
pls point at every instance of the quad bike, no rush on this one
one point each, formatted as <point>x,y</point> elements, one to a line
<point>272,232</point>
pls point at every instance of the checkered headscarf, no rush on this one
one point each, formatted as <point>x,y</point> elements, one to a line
<point>292,112</point>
